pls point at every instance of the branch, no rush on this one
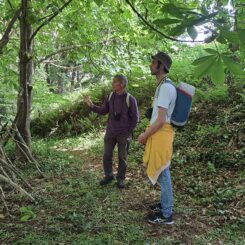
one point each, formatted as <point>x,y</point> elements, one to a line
<point>65,67</point>
<point>93,64</point>
<point>10,4</point>
<point>14,170</point>
<point>3,200</point>
<point>25,150</point>
<point>17,187</point>
<point>59,51</point>
<point>49,19</point>
<point>156,30</point>
<point>5,38</point>
<point>45,17</point>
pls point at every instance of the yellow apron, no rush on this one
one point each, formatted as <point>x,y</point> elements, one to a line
<point>158,151</point>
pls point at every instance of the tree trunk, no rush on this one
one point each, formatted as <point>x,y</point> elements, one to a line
<point>73,80</point>
<point>24,102</point>
<point>46,67</point>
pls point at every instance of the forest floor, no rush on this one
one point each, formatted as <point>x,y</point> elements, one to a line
<point>71,207</point>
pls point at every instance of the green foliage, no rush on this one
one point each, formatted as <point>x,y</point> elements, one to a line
<point>214,64</point>
<point>90,215</point>
<point>175,19</point>
<point>217,94</point>
<point>27,213</point>
<point>89,123</point>
<point>242,96</point>
<point>113,41</point>
<point>97,39</point>
<point>235,68</point>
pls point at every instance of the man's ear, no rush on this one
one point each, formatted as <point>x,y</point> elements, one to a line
<point>162,67</point>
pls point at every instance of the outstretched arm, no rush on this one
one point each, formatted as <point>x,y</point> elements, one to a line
<point>102,110</point>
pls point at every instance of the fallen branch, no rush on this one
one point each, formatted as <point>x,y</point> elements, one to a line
<point>3,200</point>
<point>25,150</point>
<point>17,187</point>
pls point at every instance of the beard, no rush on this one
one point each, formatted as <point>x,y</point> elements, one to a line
<point>154,72</point>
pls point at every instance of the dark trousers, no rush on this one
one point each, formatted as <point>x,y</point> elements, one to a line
<point>122,142</point>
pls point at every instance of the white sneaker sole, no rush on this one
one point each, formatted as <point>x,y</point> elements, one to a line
<point>161,223</point>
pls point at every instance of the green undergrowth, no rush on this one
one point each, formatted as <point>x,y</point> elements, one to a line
<point>71,208</point>
<point>75,118</point>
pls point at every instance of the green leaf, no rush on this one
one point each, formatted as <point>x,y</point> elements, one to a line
<point>98,2</point>
<point>241,34</point>
<point>217,72</point>
<point>192,32</point>
<point>211,51</point>
<point>166,21</point>
<point>24,209</point>
<point>231,36</point>
<point>177,31</point>
<point>204,10</point>
<point>242,96</point>
<point>221,39</point>
<point>234,67</point>
<point>26,217</point>
<point>204,67</point>
<point>172,10</point>
<point>26,213</point>
<point>211,38</point>
<point>201,60</point>
<point>194,21</point>
<point>242,49</point>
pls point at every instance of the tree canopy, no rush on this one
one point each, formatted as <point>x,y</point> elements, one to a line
<point>52,53</point>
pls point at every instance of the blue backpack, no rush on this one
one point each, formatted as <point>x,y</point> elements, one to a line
<point>183,103</point>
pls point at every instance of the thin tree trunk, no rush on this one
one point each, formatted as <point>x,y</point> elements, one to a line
<point>25,79</point>
<point>73,78</point>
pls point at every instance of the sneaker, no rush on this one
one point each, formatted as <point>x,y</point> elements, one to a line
<point>106,180</point>
<point>158,218</point>
<point>156,208</point>
<point>120,183</point>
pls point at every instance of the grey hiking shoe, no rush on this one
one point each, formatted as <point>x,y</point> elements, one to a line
<point>120,183</point>
<point>158,218</point>
<point>106,180</point>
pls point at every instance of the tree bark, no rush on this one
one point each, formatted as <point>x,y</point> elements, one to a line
<point>73,80</point>
<point>25,79</point>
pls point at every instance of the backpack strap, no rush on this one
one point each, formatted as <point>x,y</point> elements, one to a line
<point>171,82</point>
<point>127,98</point>
<point>110,95</point>
<point>166,81</point>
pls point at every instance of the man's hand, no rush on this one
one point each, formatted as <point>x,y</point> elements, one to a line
<point>142,139</point>
<point>88,101</point>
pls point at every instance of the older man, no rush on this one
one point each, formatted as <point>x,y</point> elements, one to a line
<point>123,117</point>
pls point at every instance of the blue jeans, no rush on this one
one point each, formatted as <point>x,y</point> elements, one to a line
<point>167,202</point>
